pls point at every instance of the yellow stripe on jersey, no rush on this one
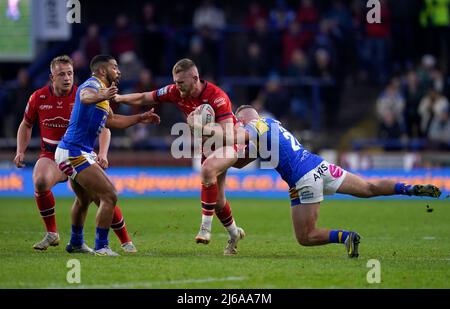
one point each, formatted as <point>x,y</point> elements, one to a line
<point>261,126</point>
<point>340,236</point>
<point>77,161</point>
<point>103,105</point>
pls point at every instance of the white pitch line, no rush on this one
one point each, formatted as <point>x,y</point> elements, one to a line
<point>145,284</point>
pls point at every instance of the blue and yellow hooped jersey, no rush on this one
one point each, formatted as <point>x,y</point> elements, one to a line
<point>86,120</point>
<point>293,160</point>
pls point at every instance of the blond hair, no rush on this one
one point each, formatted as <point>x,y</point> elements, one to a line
<point>60,59</point>
<point>183,65</point>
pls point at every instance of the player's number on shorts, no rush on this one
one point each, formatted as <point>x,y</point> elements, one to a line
<point>294,142</point>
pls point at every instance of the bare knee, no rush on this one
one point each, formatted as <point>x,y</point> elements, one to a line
<point>109,198</point>
<point>304,238</point>
<point>42,184</point>
<point>208,173</point>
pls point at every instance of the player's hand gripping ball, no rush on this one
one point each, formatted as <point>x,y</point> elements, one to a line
<point>201,116</point>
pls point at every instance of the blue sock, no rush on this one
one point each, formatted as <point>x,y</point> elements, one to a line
<point>101,238</point>
<point>76,239</point>
<point>403,189</point>
<point>338,236</point>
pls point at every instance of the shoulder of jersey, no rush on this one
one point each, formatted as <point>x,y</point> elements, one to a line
<point>93,82</point>
<point>41,94</point>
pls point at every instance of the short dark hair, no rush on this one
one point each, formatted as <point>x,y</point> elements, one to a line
<point>242,107</point>
<point>60,59</point>
<point>99,60</point>
<point>183,65</point>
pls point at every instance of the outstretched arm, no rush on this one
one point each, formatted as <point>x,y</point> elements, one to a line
<point>123,122</point>
<point>143,98</point>
<point>90,95</point>
<point>23,139</point>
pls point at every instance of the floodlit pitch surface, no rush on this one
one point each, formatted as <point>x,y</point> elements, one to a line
<point>411,243</point>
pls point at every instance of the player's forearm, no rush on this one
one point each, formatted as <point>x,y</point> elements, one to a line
<point>104,140</point>
<point>122,122</point>
<point>23,137</point>
<point>144,98</point>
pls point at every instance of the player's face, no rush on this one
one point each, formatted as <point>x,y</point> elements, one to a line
<point>112,72</point>
<point>185,82</point>
<point>62,77</point>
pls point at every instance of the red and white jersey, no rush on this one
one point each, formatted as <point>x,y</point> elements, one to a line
<point>52,113</point>
<point>211,94</point>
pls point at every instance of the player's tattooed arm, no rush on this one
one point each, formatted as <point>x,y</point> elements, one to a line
<point>91,96</point>
<point>143,98</point>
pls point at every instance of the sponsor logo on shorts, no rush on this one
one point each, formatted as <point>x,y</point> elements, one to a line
<point>320,171</point>
<point>336,171</point>
<point>306,195</point>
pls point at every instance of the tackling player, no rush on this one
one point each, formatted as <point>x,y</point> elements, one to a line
<point>75,157</point>
<point>51,106</point>
<point>188,92</point>
<point>310,177</point>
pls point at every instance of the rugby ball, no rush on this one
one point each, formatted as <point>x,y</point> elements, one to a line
<point>206,113</point>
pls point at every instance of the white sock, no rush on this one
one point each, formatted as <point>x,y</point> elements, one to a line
<point>232,230</point>
<point>207,222</point>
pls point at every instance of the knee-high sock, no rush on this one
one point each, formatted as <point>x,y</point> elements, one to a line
<point>226,217</point>
<point>209,200</point>
<point>46,204</point>
<point>119,227</point>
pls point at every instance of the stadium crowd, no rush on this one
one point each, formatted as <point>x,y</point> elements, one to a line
<point>279,50</point>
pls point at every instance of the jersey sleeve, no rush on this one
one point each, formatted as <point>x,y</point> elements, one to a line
<point>91,83</point>
<point>164,94</point>
<point>30,114</point>
<point>222,106</point>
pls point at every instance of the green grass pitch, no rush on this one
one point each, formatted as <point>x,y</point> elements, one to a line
<point>411,244</point>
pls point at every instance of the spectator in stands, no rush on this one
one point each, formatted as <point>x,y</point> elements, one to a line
<point>208,15</point>
<point>439,131</point>
<point>123,37</point>
<point>151,37</point>
<point>208,21</point>
<point>204,60</point>
<point>431,105</point>
<point>307,14</point>
<point>269,43</point>
<point>412,93</point>
<point>18,94</point>
<point>276,98</point>
<point>281,15</point>
<point>298,65</point>
<point>80,67</point>
<point>255,12</point>
<point>92,43</point>
<point>323,69</point>
<point>391,101</point>
<point>377,49</point>
<point>130,66</point>
<point>294,38</point>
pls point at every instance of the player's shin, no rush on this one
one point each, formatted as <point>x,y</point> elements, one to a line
<point>209,200</point>
<point>119,227</point>
<point>46,204</point>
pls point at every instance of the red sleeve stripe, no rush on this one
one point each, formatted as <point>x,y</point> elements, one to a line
<point>223,116</point>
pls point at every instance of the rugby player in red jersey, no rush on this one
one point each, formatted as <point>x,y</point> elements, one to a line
<point>51,106</point>
<point>188,92</point>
